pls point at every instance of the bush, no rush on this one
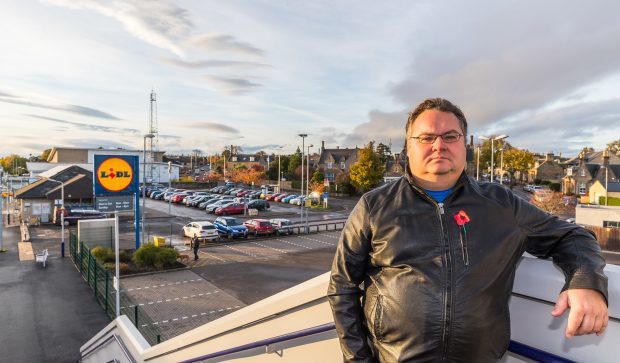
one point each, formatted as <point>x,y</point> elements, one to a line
<point>103,254</point>
<point>124,256</point>
<point>613,201</point>
<point>123,268</point>
<point>145,256</point>
<point>166,257</point>
<point>150,256</point>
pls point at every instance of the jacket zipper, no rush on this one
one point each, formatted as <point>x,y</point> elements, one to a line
<point>447,290</point>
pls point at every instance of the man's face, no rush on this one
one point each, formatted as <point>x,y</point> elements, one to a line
<point>439,163</point>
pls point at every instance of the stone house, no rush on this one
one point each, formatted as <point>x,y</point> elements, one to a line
<point>591,166</point>
<point>334,162</point>
<point>548,169</point>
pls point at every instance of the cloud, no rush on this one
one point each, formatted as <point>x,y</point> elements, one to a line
<point>93,143</point>
<point>213,64</point>
<point>157,22</point>
<point>232,86</point>
<point>81,110</point>
<point>225,42</point>
<point>4,94</point>
<point>386,127</point>
<point>213,126</point>
<point>255,148</point>
<point>88,127</point>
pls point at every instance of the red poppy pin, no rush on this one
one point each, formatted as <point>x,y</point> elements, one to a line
<point>461,218</point>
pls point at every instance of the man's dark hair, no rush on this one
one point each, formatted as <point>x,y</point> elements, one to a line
<point>439,104</point>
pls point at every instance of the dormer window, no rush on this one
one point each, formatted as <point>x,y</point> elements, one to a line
<point>251,158</point>
<point>234,158</point>
<point>330,165</point>
<point>582,172</point>
<point>342,165</point>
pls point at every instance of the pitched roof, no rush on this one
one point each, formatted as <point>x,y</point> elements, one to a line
<point>42,187</point>
<point>246,158</point>
<point>593,169</point>
<point>338,155</point>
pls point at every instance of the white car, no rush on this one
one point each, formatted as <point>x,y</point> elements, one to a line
<point>203,230</point>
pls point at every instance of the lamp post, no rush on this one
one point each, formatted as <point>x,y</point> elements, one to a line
<point>493,139</point>
<point>478,163</point>
<point>303,139</point>
<point>501,166</point>
<point>308,171</point>
<point>147,136</point>
<point>62,215</point>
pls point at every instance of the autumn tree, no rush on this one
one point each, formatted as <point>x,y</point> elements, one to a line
<point>368,171</point>
<point>552,202</point>
<point>485,152</point>
<point>294,162</point>
<point>517,160</point>
<point>272,173</point>
<point>318,177</point>
<point>14,164</point>
<point>614,146</point>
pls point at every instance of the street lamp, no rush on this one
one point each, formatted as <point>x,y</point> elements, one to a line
<point>308,172</point>
<point>478,163</point>
<point>303,139</point>
<point>147,136</point>
<point>62,214</point>
<point>493,139</point>
<point>501,166</point>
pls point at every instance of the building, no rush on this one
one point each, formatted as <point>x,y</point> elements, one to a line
<point>597,215</point>
<point>39,198</point>
<point>395,167</point>
<point>235,161</point>
<point>336,162</point>
<point>156,171</point>
<point>600,190</point>
<point>548,169</point>
<point>590,167</point>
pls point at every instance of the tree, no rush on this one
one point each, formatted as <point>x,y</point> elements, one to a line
<point>614,146</point>
<point>485,153</point>
<point>14,164</point>
<point>272,173</point>
<point>517,160</point>
<point>318,177</point>
<point>294,162</point>
<point>45,154</point>
<point>552,202</point>
<point>368,171</point>
<point>384,152</point>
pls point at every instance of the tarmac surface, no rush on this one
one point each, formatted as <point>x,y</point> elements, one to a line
<point>46,313</point>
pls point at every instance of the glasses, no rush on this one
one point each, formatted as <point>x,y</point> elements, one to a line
<point>449,138</point>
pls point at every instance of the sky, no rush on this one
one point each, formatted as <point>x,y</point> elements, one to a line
<point>256,73</point>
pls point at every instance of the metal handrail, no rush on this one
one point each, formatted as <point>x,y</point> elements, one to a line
<point>514,347</point>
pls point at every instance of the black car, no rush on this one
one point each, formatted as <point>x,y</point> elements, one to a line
<point>259,204</point>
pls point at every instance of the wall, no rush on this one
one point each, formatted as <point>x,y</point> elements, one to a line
<point>594,215</point>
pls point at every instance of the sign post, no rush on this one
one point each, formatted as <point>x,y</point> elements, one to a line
<point>116,185</point>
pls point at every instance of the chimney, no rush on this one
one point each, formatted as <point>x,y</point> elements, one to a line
<point>471,140</point>
<point>337,147</point>
<point>322,147</point>
<point>606,157</point>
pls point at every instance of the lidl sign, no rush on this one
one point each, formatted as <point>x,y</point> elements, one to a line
<point>115,175</point>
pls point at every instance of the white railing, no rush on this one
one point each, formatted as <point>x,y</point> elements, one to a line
<point>294,326</point>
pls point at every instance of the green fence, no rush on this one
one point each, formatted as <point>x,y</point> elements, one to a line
<point>101,282</point>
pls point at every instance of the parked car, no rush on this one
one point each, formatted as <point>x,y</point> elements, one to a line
<point>230,208</point>
<point>282,226</point>
<point>279,198</point>
<point>230,227</point>
<point>178,198</point>
<point>271,196</point>
<point>288,198</point>
<point>211,208</point>
<point>258,204</point>
<point>259,227</point>
<point>298,200</point>
<point>73,214</point>
<point>202,230</point>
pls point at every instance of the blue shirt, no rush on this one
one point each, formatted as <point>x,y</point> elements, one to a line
<point>439,195</point>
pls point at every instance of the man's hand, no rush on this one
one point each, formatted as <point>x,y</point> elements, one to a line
<point>588,311</point>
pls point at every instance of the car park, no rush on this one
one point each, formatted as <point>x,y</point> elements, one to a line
<point>203,230</point>
<point>288,198</point>
<point>282,226</point>
<point>279,198</point>
<point>259,227</point>
<point>211,208</point>
<point>230,208</point>
<point>298,200</point>
<point>230,227</point>
<point>271,196</point>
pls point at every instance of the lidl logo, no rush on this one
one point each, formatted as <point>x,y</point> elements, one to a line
<point>115,174</point>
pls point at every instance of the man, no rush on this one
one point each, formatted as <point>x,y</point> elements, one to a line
<point>437,254</point>
<point>196,245</point>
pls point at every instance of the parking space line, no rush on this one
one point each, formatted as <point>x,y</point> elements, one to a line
<point>271,248</point>
<point>163,285</point>
<point>193,316</point>
<point>169,300</point>
<point>213,256</point>
<point>294,244</point>
<point>316,240</point>
<point>245,253</point>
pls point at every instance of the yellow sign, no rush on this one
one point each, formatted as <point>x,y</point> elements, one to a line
<point>114,174</point>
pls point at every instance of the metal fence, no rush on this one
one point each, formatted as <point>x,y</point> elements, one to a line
<point>100,280</point>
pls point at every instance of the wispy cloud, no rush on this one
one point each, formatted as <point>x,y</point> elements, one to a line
<point>256,148</point>
<point>81,110</point>
<point>157,22</point>
<point>232,86</point>
<point>87,127</point>
<point>214,63</point>
<point>225,42</point>
<point>212,126</point>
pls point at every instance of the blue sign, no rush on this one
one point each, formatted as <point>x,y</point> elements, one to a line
<point>325,195</point>
<point>116,175</point>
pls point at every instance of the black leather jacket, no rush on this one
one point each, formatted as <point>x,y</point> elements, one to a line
<point>437,291</point>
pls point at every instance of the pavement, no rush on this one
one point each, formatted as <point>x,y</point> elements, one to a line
<point>47,313</point>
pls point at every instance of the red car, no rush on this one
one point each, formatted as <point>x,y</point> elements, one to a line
<point>259,226</point>
<point>271,196</point>
<point>279,197</point>
<point>178,198</point>
<point>230,208</point>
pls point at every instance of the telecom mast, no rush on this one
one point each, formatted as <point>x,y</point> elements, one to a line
<point>154,139</point>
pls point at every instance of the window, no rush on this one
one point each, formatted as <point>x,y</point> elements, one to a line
<point>342,165</point>
<point>330,177</point>
<point>582,172</point>
<point>611,224</point>
<point>251,158</point>
<point>569,172</point>
<point>234,158</point>
<point>330,165</point>
<point>582,188</point>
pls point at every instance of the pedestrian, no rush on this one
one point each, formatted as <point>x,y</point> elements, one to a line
<point>437,251</point>
<point>196,245</point>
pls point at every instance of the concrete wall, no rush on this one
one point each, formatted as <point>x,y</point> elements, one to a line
<point>96,232</point>
<point>594,215</point>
